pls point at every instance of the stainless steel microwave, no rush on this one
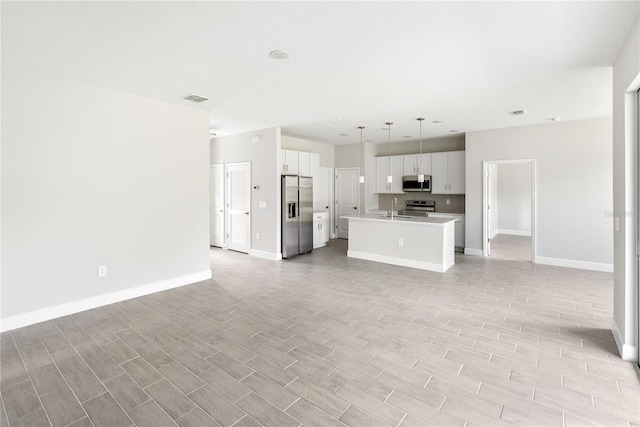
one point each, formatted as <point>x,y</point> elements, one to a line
<point>411,183</point>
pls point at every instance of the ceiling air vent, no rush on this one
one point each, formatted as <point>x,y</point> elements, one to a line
<point>517,112</point>
<point>195,98</point>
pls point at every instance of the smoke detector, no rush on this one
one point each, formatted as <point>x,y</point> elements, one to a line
<point>517,112</point>
<point>195,98</point>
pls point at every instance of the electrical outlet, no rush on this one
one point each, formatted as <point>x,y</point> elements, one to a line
<point>102,271</point>
<point>400,242</point>
<point>448,201</point>
<point>257,236</point>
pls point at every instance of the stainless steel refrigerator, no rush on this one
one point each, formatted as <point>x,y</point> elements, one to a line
<point>297,215</point>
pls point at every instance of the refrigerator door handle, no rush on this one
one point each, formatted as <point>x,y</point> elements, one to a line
<point>292,209</point>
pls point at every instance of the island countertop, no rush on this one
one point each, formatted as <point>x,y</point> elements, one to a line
<point>402,219</point>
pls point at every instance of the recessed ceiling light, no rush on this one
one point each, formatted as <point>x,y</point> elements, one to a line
<point>436,121</point>
<point>212,132</point>
<point>279,54</point>
<point>368,140</point>
<point>344,134</point>
<point>554,119</point>
<point>454,131</point>
<point>337,120</point>
<point>518,112</point>
<point>406,136</point>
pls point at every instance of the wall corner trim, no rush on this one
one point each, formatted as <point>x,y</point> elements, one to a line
<point>570,263</point>
<point>627,352</point>
<point>44,314</point>
<point>473,252</point>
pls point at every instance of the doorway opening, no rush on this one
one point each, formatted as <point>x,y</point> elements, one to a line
<point>509,209</point>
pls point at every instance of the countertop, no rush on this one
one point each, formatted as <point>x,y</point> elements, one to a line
<point>413,219</point>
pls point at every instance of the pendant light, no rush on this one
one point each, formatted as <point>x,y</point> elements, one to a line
<point>420,174</point>
<point>361,156</point>
<point>389,176</point>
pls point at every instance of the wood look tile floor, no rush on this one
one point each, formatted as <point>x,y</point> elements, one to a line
<point>324,340</point>
<point>512,248</point>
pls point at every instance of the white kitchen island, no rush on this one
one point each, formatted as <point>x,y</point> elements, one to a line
<point>424,243</point>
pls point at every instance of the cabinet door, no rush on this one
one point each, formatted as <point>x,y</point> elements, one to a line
<point>396,173</point>
<point>290,162</point>
<point>424,164</point>
<point>410,164</point>
<point>324,231</point>
<point>322,190</point>
<point>381,175</point>
<point>304,165</point>
<point>439,173</point>
<point>456,172</point>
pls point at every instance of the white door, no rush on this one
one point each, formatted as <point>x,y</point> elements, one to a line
<point>347,196</point>
<point>216,205</point>
<point>238,206</point>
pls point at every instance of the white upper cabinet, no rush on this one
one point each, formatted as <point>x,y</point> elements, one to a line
<point>289,162</point>
<point>448,172</point>
<point>410,164</point>
<point>414,164</point>
<point>304,164</point>
<point>397,171</point>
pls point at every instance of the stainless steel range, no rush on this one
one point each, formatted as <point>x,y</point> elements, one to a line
<point>418,208</point>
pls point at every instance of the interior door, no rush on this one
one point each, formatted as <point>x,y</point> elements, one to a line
<point>216,205</point>
<point>489,211</point>
<point>347,197</point>
<point>239,206</point>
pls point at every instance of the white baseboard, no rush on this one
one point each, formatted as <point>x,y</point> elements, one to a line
<point>265,255</point>
<point>473,252</point>
<point>583,265</point>
<point>399,261</point>
<point>627,352</point>
<point>514,232</point>
<point>493,234</point>
<point>44,314</point>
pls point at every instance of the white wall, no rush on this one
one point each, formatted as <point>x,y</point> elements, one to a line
<point>96,177</point>
<point>574,196</point>
<point>493,200</point>
<point>513,205</point>
<point>266,164</point>
<point>626,79</point>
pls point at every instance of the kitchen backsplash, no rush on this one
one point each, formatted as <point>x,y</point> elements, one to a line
<point>456,206</point>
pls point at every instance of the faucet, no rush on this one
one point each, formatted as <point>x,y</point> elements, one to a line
<point>394,202</point>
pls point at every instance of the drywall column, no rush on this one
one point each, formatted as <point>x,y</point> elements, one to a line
<point>626,80</point>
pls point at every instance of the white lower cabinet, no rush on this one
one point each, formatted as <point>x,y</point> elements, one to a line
<point>320,229</point>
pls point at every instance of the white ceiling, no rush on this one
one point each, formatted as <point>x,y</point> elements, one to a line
<point>466,63</point>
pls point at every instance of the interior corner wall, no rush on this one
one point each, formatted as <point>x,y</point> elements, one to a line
<point>266,162</point>
<point>626,80</point>
<point>574,187</point>
<point>493,202</point>
<point>96,177</point>
<point>514,198</point>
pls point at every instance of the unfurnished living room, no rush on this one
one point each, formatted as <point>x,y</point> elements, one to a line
<point>229,213</point>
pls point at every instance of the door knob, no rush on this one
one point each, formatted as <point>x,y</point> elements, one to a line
<point>246,213</point>
<point>355,207</point>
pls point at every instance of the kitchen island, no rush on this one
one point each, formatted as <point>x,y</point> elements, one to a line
<point>425,243</point>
